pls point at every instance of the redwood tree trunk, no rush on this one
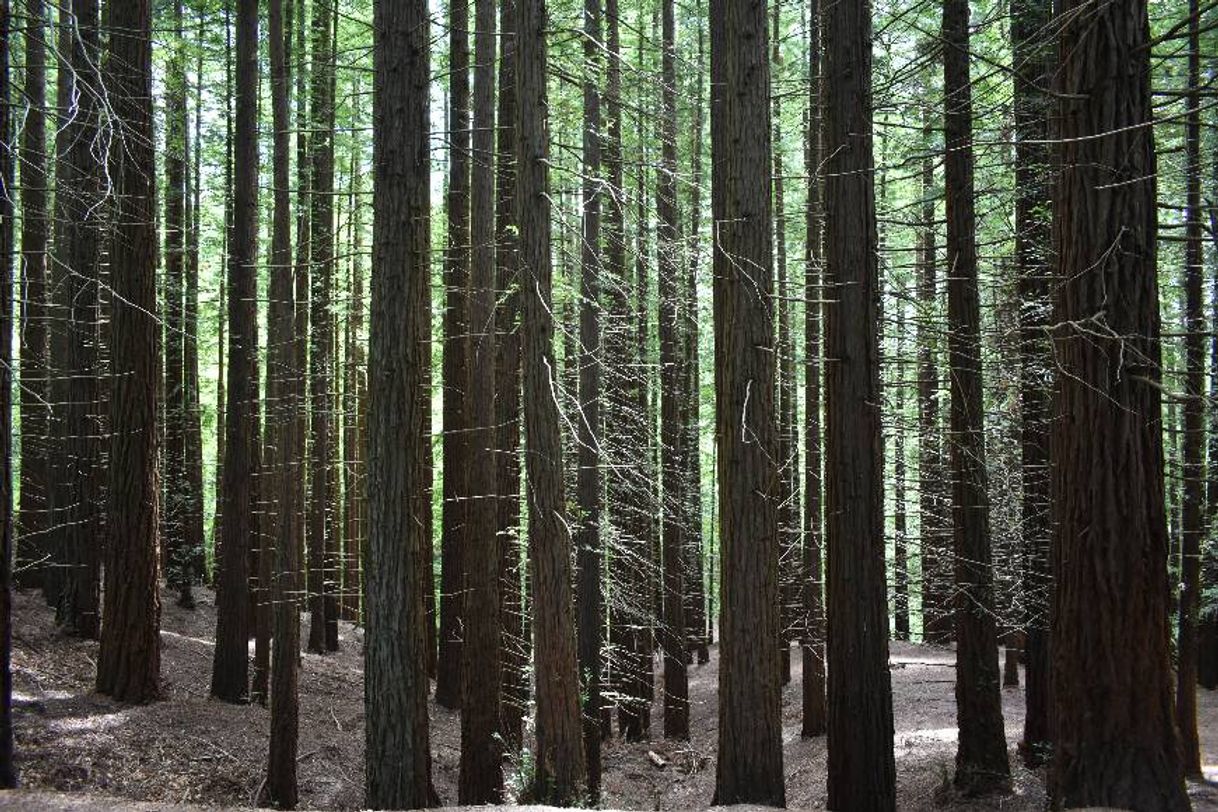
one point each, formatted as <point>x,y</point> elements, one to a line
<point>749,769</point>
<point>455,373</point>
<point>397,750</point>
<point>129,660</point>
<point>481,777</point>
<point>1109,530</point>
<point>1033,52</point>
<point>981,753</point>
<point>860,728</point>
<point>281,490</point>
<point>230,668</point>
<point>559,776</point>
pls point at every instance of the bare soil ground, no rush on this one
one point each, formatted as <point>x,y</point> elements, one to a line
<point>80,751</point>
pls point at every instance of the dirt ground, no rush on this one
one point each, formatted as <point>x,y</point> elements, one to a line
<point>77,750</point>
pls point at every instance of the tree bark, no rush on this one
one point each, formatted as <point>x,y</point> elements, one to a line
<point>981,754</point>
<point>8,770</point>
<point>750,762</point>
<point>1109,540</point>
<point>129,660</point>
<point>33,526</point>
<point>230,668</point>
<point>456,379</point>
<point>1033,53</point>
<point>398,757</point>
<point>813,693</point>
<point>559,776</point>
<point>860,727</point>
<point>481,776</point>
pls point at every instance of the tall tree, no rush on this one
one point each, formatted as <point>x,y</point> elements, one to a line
<point>32,519</point>
<point>77,482</point>
<point>481,778</point>
<point>230,667</point>
<point>8,770</point>
<point>981,754</point>
<point>175,485</point>
<point>281,488</point>
<point>588,488</point>
<point>129,660</point>
<point>672,394</point>
<point>933,516</point>
<point>455,372</point>
<point>1193,517</point>
<point>322,543</point>
<point>813,694</point>
<point>1109,520</point>
<point>507,393</point>
<point>750,725</point>
<point>1033,60</point>
<point>860,727</point>
<point>398,756</point>
<point>559,777</point>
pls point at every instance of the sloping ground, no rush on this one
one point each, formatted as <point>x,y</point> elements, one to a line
<point>79,751</point>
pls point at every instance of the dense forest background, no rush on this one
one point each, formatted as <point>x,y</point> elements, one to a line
<point>544,353</point>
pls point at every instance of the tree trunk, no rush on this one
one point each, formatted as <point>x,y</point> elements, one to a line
<point>1193,518</point>
<point>559,776</point>
<point>934,519</point>
<point>860,727</point>
<point>129,660</point>
<point>981,754</point>
<point>8,771</point>
<point>176,486</point>
<point>1109,522</point>
<point>1033,52</point>
<point>588,489</point>
<point>76,494</point>
<point>322,541</point>
<point>813,694</point>
<point>230,668</point>
<point>398,756</point>
<point>672,384</point>
<point>456,379</point>
<point>481,777</point>
<point>33,526</point>
<point>900,552</point>
<point>750,725</point>
<point>280,488</point>
<point>514,648</point>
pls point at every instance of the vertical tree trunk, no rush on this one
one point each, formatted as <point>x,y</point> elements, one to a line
<point>398,756</point>
<point>672,385</point>
<point>222,310</point>
<point>788,444</point>
<point>507,395</point>
<point>481,777</point>
<point>981,754</point>
<point>230,668</point>
<point>900,551</point>
<point>860,727</point>
<point>559,777</point>
<point>354,409</point>
<point>456,363</point>
<point>33,526</point>
<point>588,422</point>
<point>76,495</point>
<point>129,660</point>
<point>1033,53</point>
<point>323,553</point>
<point>1109,522</point>
<point>280,487</point>
<point>750,726</point>
<point>193,530</point>
<point>175,487</point>
<point>1193,518</point>
<point>813,694</point>
<point>304,178</point>
<point>8,771</point>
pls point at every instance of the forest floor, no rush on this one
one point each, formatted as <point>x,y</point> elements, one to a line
<point>79,751</point>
